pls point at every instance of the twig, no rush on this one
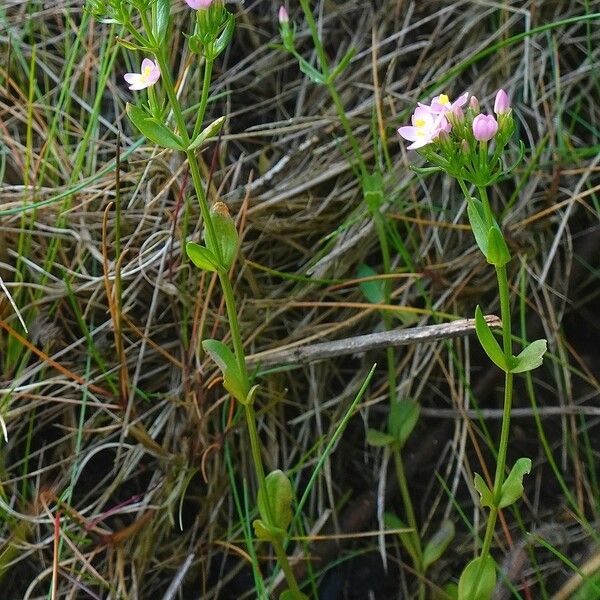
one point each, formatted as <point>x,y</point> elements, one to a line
<point>371,341</point>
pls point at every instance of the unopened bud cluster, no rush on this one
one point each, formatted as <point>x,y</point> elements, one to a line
<point>461,140</point>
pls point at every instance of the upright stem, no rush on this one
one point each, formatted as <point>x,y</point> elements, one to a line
<point>204,97</point>
<point>232,317</point>
<point>503,292</point>
<point>337,101</point>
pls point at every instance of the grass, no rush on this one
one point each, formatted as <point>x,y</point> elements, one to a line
<point>124,458</point>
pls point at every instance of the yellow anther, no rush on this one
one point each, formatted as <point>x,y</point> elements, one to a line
<point>444,100</point>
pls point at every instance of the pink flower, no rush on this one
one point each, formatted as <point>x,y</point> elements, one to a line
<point>502,103</point>
<point>484,127</point>
<point>149,76</point>
<point>441,104</point>
<point>284,18</point>
<point>426,127</point>
<point>199,4</point>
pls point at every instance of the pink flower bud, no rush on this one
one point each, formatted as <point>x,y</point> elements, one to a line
<point>284,18</point>
<point>464,146</point>
<point>199,4</point>
<point>474,104</point>
<point>484,127</point>
<point>502,103</point>
<point>457,111</point>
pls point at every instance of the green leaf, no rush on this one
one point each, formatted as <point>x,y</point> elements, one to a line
<point>488,341</point>
<point>426,170</point>
<point>208,132</point>
<point>479,224</point>
<point>264,532</point>
<point>288,595</point>
<point>312,73</point>
<point>372,290</point>
<point>391,521</point>
<point>233,380</point>
<point>226,232</point>
<point>225,38</point>
<point>379,439</point>
<point>449,590</point>
<point>438,543</point>
<point>341,66</point>
<point>279,496</point>
<point>497,254</point>
<point>403,418</point>
<point>468,589</point>
<point>372,186</point>
<point>531,357</point>
<point>202,257</point>
<point>486,496</point>
<point>163,12</point>
<point>512,488</point>
<point>155,132</point>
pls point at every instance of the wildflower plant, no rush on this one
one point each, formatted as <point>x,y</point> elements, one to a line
<point>161,119</point>
<point>427,124</point>
<point>470,146</point>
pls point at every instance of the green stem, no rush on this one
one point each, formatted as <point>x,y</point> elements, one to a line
<point>503,291</point>
<point>227,294</point>
<point>284,563</point>
<point>337,101</point>
<point>208,66</point>
<point>410,516</point>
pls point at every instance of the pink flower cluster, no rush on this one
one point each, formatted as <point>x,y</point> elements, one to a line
<point>429,122</point>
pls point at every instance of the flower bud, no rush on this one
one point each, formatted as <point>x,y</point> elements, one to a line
<point>458,113</point>
<point>474,104</point>
<point>484,127</point>
<point>284,18</point>
<point>502,103</point>
<point>199,4</point>
<point>464,147</point>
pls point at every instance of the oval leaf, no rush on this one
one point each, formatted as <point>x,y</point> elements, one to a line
<point>279,496</point>
<point>391,521</point>
<point>202,257</point>
<point>405,419</point>
<point>264,532</point>
<point>163,11</point>
<point>289,595</point>
<point>479,224</point>
<point>512,488</point>
<point>438,543</point>
<point>373,289</point>
<point>485,570</point>
<point>486,498</point>
<point>233,380</point>
<point>497,254</point>
<point>155,132</point>
<point>210,131</point>
<point>488,341</point>
<point>226,232</point>
<point>530,357</point>
<point>379,439</point>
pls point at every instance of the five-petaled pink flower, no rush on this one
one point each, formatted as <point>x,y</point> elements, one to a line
<point>441,104</point>
<point>199,4</point>
<point>484,127</point>
<point>502,103</point>
<point>426,127</point>
<point>149,76</point>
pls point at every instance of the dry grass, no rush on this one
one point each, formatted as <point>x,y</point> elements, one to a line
<point>119,438</point>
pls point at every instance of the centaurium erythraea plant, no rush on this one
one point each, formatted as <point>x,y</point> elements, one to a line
<point>470,149</point>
